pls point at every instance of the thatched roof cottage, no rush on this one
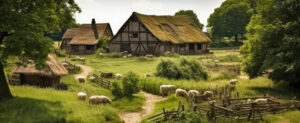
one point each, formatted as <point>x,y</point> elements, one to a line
<point>150,34</point>
<point>47,77</point>
<point>84,40</point>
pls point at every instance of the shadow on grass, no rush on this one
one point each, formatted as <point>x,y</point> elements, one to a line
<point>20,109</point>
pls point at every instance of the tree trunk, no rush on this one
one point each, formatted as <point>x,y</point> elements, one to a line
<point>4,89</point>
<point>236,38</point>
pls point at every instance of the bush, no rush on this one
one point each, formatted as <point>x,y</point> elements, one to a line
<point>59,53</point>
<point>229,58</point>
<point>61,86</point>
<point>171,54</point>
<point>130,84</point>
<point>192,117</point>
<point>168,69</point>
<point>115,55</point>
<point>186,70</point>
<point>103,42</point>
<point>117,90</point>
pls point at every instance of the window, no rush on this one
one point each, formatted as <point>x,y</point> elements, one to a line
<point>191,47</point>
<point>75,48</point>
<point>133,35</point>
<point>199,46</point>
<point>89,47</point>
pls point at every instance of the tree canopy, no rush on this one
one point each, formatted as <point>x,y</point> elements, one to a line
<point>23,27</point>
<point>230,19</point>
<point>274,41</point>
<point>192,15</point>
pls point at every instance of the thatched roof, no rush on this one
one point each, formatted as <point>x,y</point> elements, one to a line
<point>86,34</point>
<point>176,29</point>
<point>55,67</point>
<point>70,33</point>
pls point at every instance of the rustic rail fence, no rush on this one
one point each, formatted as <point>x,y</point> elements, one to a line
<point>103,82</point>
<point>167,115</point>
<point>14,79</point>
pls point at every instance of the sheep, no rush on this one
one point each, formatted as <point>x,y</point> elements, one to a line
<point>217,61</point>
<point>129,55</point>
<point>118,76</point>
<point>166,89</point>
<point>192,93</point>
<point>99,100</point>
<point>208,94</point>
<point>124,56</point>
<point>249,101</point>
<point>181,92</point>
<point>77,58</point>
<point>82,60</point>
<point>81,79</point>
<point>233,81</point>
<point>261,100</point>
<point>92,78</point>
<point>81,96</point>
<point>149,56</point>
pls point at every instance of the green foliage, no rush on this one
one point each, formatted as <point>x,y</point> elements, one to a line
<point>192,15</point>
<point>192,117</point>
<point>228,58</point>
<point>117,90</point>
<point>223,44</point>
<point>230,19</point>
<point>130,84</point>
<point>171,54</point>
<point>59,53</point>
<point>103,42</point>
<point>168,69</point>
<point>274,41</point>
<point>185,70</point>
<point>115,55</point>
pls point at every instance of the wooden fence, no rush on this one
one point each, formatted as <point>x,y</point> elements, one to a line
<point>167,115</point>
<point>14,79</point>
<point>104,83</point>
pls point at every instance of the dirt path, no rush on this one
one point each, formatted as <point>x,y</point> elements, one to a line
<point>85,71</point>
<point>148,106</point>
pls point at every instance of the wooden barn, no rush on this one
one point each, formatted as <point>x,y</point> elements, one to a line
<point>150,34</point>
<point>84,40</point>
<point>49,76</point>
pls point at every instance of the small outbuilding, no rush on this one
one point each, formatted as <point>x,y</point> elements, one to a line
<point>84,40</point>
<point>151,34</point>
<point>29,75</point>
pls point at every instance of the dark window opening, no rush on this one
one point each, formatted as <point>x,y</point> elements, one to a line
<point>75,48</point>
<point>89,47</point>
<point>199,46</point>
<point>133,35</point>
<point>191,47</point>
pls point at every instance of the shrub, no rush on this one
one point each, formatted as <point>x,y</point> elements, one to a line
<point>130,84</point>
<point>192,117</point>
<point>168,69</point>
<point>117,90</point>
<point>59,53</point>
<point>229,58</point>
<point>171,54</point>
<point>103,42</point>
<point>115,55</point>
<point>61,86</point>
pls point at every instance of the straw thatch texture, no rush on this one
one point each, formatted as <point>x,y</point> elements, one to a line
<point>70,33</point>
<point>176,29</point>
<point>54,68</point>
<point>86,36</point>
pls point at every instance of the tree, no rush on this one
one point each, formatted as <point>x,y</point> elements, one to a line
<point>192,15</point>
<point>274,41</point>
<point>22,28</point>
<point>230,19</point>
<point>130,84</point>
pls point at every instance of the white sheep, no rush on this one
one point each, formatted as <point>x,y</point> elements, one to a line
<point>261,100</point>
<point>81,96</point>
<point>249,101</point>
<point>181,92</point>
<point>99,100</point>
<point>118,76</point>
<point>92,78</point>
<point>124,56</point>
<point>166,89</point>
<point>208,94</point>
<point>81,79</point>
<point>192,93</point>
<point>129,55</point>
<point>217,61</point>
<point>149,56</point>
<point>77,58</point>
<point>233,81</point>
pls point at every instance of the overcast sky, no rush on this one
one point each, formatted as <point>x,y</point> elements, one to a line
<point>116,12</point>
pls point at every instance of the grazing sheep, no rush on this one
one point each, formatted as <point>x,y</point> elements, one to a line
<point>124,56</point>
<point>82,60</point>
<point>217,61</point>
<point>99,100</point>
<point>149,56</point>
<point>129,55</point>
<point>192,93</point>
<point>233,81</point>
<point>118,76</point>
<point>77,58</point>
<point>261,100</point>
<point>249,101</point>
<point>81,79</point>
<point>92,78</point>
<point>81,96</point>
<point>181,92</point>
<point>166,89</point>
<point>208,94</point>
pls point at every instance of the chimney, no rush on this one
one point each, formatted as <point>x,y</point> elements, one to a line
<point>94,27</point>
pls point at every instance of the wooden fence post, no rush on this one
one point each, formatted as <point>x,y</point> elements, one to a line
<point>165,113</point>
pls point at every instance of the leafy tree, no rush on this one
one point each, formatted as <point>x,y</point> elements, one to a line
<point>230,19</point>
<point>22,28</point>
<point>274,41</point>
<point>103,42</point>
<point>192,15</point>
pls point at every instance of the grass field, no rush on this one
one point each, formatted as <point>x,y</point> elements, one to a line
<point>33,104</point>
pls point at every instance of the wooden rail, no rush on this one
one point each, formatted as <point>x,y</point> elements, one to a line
<point>167,115</point>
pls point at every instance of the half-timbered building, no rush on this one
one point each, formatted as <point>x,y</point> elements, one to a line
<point>150,34</point>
